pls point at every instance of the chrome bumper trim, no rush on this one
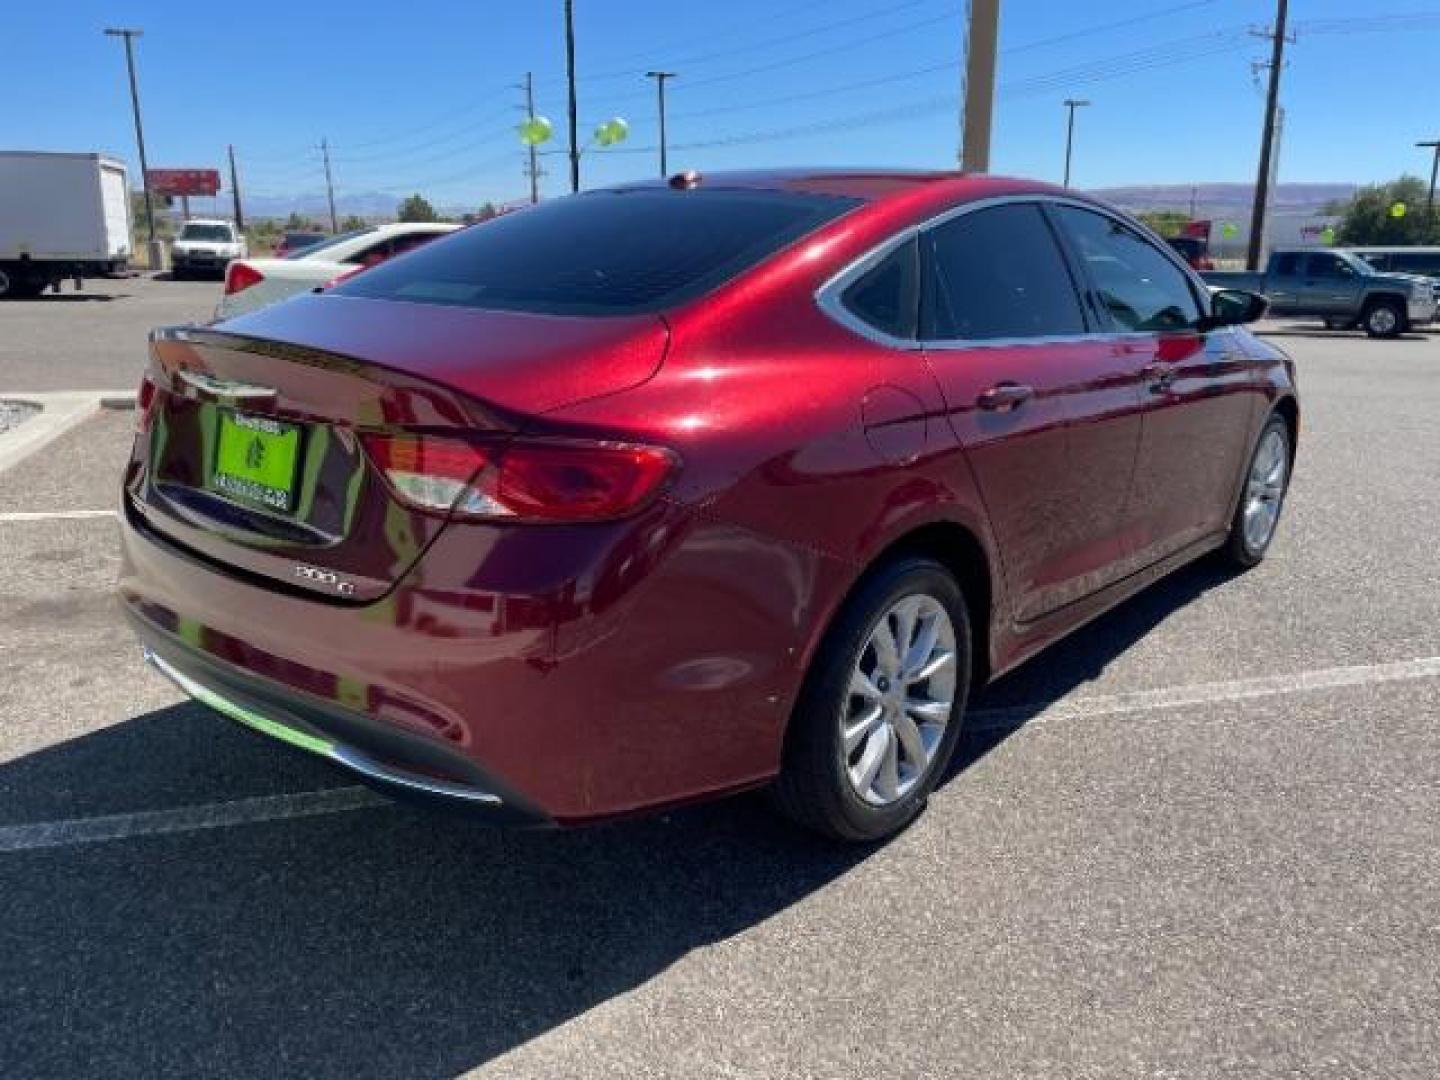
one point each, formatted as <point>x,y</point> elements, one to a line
<point>314,744</point>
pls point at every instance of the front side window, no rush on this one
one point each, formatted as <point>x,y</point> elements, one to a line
<point>885,296</point>
<point>1330,266</point>
<point>998,273</point>
<point>1141,288</point>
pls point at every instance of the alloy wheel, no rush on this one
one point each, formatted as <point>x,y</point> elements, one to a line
<point>1265,489</point>
<point>901,695</point>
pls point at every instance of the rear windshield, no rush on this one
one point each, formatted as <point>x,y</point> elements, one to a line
<point>603,252</point>
<point>314,244</point>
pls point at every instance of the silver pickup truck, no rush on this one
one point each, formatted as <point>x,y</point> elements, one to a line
<point>1338,287</point>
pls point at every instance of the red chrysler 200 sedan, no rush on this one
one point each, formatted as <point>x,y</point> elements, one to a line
<point>655,493</point>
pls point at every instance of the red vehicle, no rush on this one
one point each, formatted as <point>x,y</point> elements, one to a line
<point>656,493</point>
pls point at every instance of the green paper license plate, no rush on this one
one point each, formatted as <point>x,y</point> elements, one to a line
<point>255,460</point>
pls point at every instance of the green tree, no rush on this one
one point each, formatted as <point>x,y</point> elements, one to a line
<point>298,222</point>
<point>1164,222</point>
<point>486,212</point>
<point>1369,217</point>
<point>352,222</point>
<point>416,208</point>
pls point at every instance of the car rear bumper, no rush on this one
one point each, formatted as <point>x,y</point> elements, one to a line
<point>616,669</point>
<point>379,754</point>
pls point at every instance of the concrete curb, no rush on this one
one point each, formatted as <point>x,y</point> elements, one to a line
<point>59,413</point>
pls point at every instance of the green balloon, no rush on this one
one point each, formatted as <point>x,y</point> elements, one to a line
<point>1397,210</point>
<point>535,131</point>
<point>1327,235</point>
<point>1228,230</point>
<point>611,132</point>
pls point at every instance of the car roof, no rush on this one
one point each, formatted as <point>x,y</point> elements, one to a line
<point>1395,249</point>
<point>865,184</point>
<point>414,227</point>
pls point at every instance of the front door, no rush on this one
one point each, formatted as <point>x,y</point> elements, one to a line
<point>1197,390</point>
<point>1046,408</point>
<point>1330,286</point>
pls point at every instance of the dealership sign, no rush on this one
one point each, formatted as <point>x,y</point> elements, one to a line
<point>184,181</point>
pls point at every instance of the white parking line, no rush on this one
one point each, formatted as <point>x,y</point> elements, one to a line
<point>75,831</point>
<point>54,515</point>
<point>1174,697</point>
<point>184,819</point>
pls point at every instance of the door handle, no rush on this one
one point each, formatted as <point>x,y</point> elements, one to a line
<point>1005,397</point>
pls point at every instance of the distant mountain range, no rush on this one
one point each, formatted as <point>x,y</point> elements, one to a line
<point>1219,201</point>
<point>1225,200</point>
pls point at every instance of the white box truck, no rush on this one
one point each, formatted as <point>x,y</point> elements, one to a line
<point>61,216</point>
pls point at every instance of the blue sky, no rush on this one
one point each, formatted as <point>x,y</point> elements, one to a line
<point>420,96</point>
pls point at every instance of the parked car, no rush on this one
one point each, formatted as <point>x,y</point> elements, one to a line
<point>660,492</point>
<point>1194,250</point>
<point>1424,261</point>
<point>255,283</point>
<point>62,216</point>
<point>207,248</point>
<point>1338,287</point>
<point>294,242</point>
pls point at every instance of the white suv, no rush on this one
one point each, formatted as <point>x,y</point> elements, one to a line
<point>206,247</point>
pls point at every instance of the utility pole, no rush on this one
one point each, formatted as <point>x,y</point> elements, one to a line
<point>1434,145</point>
<point>570,77</point>
<point>977,87</point>
<point>660,77</point>
<point>235,190</point>
<point>156,255</point>
<point>533,169</point>
<point>1072,104</point>
<point>329,186</point>
<point>1267,137</point>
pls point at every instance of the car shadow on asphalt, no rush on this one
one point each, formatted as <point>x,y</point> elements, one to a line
<point>72,298</point>
<point>385,941</point>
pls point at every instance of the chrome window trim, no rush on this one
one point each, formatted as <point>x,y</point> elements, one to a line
<point>827,296</point>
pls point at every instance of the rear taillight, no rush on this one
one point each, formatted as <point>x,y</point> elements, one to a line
<point>145,405</point>
<point>524,480</point>
<point>240,276</point>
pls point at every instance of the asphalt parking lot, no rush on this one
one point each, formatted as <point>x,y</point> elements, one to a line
<point>1199,839</point>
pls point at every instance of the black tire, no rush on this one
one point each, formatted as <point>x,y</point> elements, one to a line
<point>1239,551</point>
<point>814,789</point>
<point>1384,319</point>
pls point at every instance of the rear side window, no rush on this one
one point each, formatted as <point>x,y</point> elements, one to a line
<point>1141,287</point>
<point>998,273</point>
<point>886,296</point>
<point>603,252</point>
<point>1287,265</point>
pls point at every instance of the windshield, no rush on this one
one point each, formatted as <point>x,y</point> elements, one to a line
<point>604,252</point>
<point>197,231</point>
<point>327,243</point>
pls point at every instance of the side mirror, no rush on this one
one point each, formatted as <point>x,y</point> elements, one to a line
<point>1233,307</point>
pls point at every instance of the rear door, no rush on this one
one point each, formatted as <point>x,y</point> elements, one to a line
<point>1196,392</point>
<point>1283,283</point>
<point>1331,285</point>
<point>1045,407</point>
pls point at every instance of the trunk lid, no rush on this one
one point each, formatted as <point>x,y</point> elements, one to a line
<point>254,461</point>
